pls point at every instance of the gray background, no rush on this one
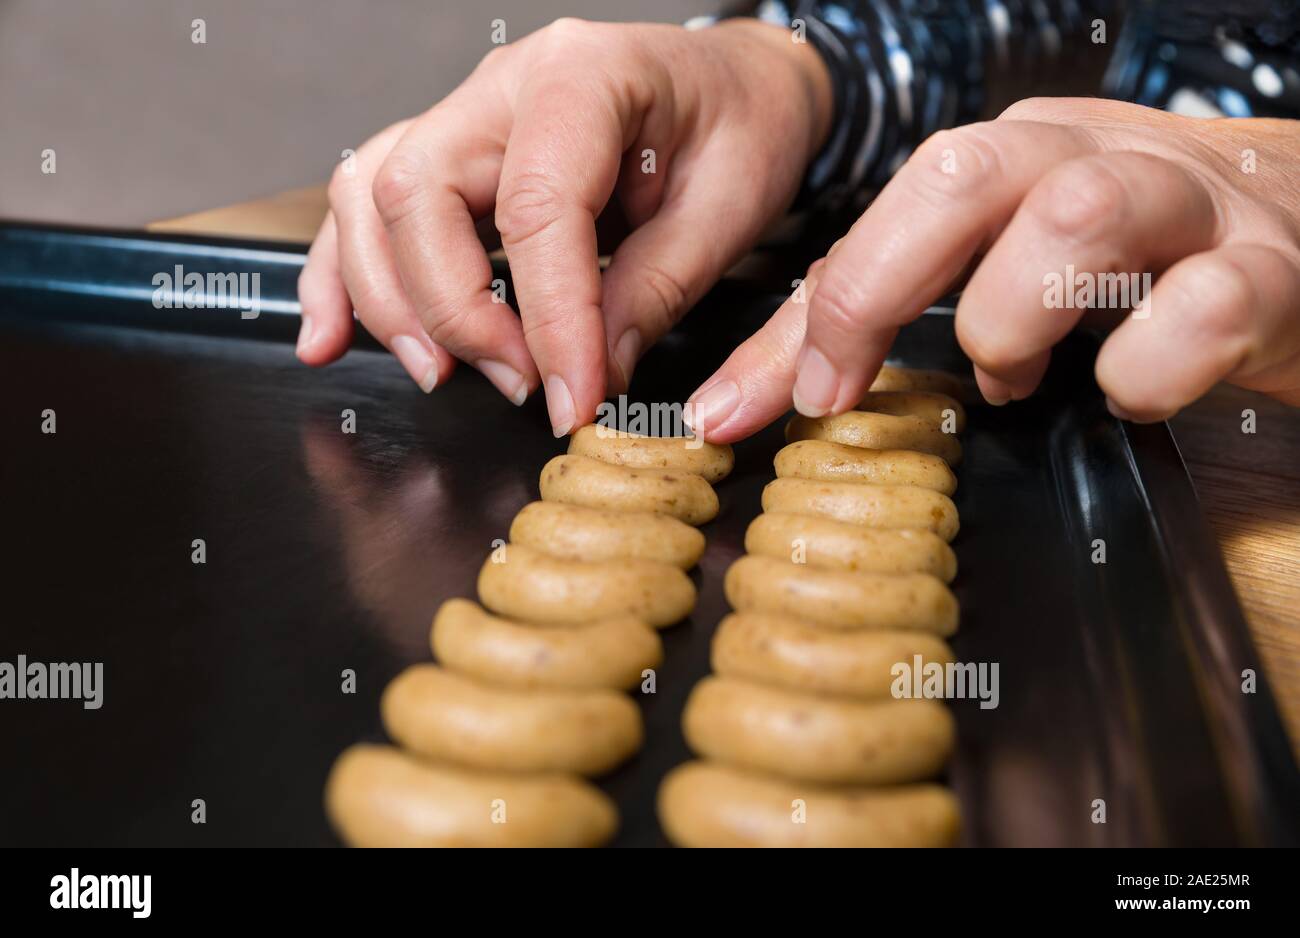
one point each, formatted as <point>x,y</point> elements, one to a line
<point>147,124</point>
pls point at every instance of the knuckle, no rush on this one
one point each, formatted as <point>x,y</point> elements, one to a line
<point>546,328</point>
<point>396,186</point>
<point>494,56</point>
<point>1028,109</point>
<point>952,165</point>
<point>1214,297</point>
<point>567,30</point>
<point>526,205</point>
<point>1081,200</point>
<point>835,305</point>
<point>450,325</point>
<point>670,293</point>
<point>560,38</point>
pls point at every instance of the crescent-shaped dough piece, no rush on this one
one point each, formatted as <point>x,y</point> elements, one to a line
<point>705,804</point>
<point>452,718</point>
<point>817,739</point>
<point>379,796</point>
<point>708,460</point>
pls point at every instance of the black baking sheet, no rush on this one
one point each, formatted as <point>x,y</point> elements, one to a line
<point>328,551</point>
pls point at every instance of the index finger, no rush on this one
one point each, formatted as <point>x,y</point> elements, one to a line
<point>945,206</point>
<point>560,168</point>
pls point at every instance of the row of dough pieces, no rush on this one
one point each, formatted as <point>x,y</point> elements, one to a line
<point>576,557</point>
<point>525,699</point>
<point>802,742</point>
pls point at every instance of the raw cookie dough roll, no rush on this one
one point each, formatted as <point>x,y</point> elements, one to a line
<point>824,542</point>
<point>893,378</point>
<point>452,718</point>
<point>931,406</point>
<point>877,431</point>
<point>823,461</point>
<point>379,796</point>
<point>709,460</point>
<point>610,653</point>
<point>704,804</point>
<point>577,533</point>
<point>874,506</point>
<point>781,651</point>
<point>536,587</point>
<point>840,600</point>
<point>817,739</point>
<point>581,480</point>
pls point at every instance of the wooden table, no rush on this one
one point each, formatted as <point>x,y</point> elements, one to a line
<point>1249,484</point>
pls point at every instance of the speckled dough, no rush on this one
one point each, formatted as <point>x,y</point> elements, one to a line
<point>379,796</point>
<point>610,653</point>
<point>824,542</point>
<point>786,652</point>
<point>704,804</point>
<point>817,739</point>
<point>578,533</point>
<point>873,506</point>
<point>453,718</point>
<point>581,480</point>
<point>835,462</point>
<point>877,431</point>
<point>709,460</point>
<point>892,378</point>
<point>535,587</point>
<point>840,600</point>
<point>930,406</point>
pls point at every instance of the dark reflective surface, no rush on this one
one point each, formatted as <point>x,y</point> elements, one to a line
<point>328,551</point>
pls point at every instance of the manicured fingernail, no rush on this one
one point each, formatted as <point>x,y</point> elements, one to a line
<point>506,380</point>
<point>304,336</point>
<point>417,360</point>
<point>713,406</point>
<point>626,351</point>
<point>817,383</point>
<point>559,404</point>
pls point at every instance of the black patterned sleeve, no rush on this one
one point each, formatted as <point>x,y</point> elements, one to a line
<point>902,69</point>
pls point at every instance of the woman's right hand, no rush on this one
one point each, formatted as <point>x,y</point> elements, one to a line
<point>543,134</point>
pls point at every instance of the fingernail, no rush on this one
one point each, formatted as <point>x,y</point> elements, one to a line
<point>816,385</point>
<point>304,336</point>
<point>417,360</point>
<point>713,406</point>
<point>559,404</point>
<point>626,351</point>
<point>506,380</point>
<point>994,399</point>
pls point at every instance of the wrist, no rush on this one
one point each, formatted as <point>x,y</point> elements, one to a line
<point>803,57</point>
